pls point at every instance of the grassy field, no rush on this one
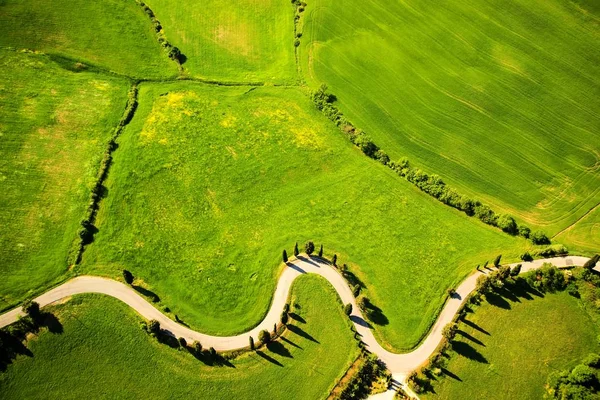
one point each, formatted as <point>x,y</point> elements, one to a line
<point>54,127</point>
<point>247,40</point>
<point>114,34</point>
<point>209,185</point>
<point>499,99</point>
<point>509,349</point>
<point>103,351</point>
<point>583,236</point>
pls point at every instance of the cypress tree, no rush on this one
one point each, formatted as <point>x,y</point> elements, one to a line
<point>285,257</point>
<point>251,343</point>
<point>497,261</point>
<point>321,251</point>
<point>334,260</point>
<point>296,252</point>
<point>589,264</point>
<point>284,318</point>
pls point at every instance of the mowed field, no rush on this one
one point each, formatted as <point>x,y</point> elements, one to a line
<point>112,34</point>
<point>210,184</point>
<point>583,235</point>
<point>501,99</point>
<point>54,127</point>
<point>245,41</point>
<point>509,349</point>
<point>103,351</point>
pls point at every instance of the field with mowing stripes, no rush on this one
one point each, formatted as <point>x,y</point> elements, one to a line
<point>112,34</point>
<point>210,184</point>
<point>103,351</point>
<point>501,99</point>
<point>244,41</point>
<point>54,127</point>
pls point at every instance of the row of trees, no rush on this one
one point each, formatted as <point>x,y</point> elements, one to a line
<point>172,51</point>
<point>430,184</point>
<point>309,248</point>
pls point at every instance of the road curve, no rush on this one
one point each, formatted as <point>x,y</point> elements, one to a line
<point>400,365</point>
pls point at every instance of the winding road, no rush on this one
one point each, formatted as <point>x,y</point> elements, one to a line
<point>400,365</point>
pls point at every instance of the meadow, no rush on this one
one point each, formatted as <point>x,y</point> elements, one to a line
<point>499,99</point>
<point>583,236</point>
<point>112,34</point>
<point>248,41</point>
<point>546,334</point>
<point>210,184</point>
<point>102,350</point>
<point>54,126</point>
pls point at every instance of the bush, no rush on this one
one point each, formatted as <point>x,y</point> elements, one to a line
<point>348,309</point>
<point>539,237</point>
<point>128,276</point>
<point>309,247</point>
<point>547,278</point>
<point>182,342</point>
<point>508,224</point>
<point>524,231</point>
<point>450,330</point>
<point>284,318</point>
<point>551,251</point>
<point>356,290</point>
<point>484,284</point>
<point>154,327</point>
<point>264,336</point>
<point>197,346</point>
<point>526,256</point>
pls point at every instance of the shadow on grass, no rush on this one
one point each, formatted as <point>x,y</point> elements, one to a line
<point>476,327</point>
<point>296,317</point>
<point>50,321</point>
<point>302,333</point>
<point>148,293</point>
<point>375,315</point>
<point>11,348</point>
<point>297,268</point>
<point>496,300</point>
<point>451,375</point>
<point>290,342</point>
<point>278,348</point>
<point>469,337</point>
<point>466,350</point>
<point>269,358</point>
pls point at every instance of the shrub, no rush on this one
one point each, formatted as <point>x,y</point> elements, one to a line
<point>348,309</point>
<point>551,251</point>
<point>182,342</point>
<point>524,231</point>
<point>526,256</point>
<point>154,326</point>
<point>450,330</point>
<point>508,224</point>
<point>197,346</point>
<point>539,237</point>
<point>128,276</point>
<point>264,336</point>
<point>583,375</point>
<point>296,43</point>
<point>309,247</point>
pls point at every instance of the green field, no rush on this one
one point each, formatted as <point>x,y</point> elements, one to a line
<point>509,352</point>
<point>246,41</point>
<point>113,34</point>
<point>499,99</point>
<point>103,351</point>
<point>585,234</point>
<point>210,184</point>
<point>54,127</point>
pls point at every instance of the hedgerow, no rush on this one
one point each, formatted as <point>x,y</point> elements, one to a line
<point>172,51</point>
<point>430,184</point>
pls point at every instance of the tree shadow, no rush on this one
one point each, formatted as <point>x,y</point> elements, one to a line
<point>466,350</point>
<point>290,342</point>
<point>375,315</point>
<point>148,293</point>
<point>180,321</point>
<point>359,321</point>
<point>471,338</point>
<point>296,317</point>
<point>278,348</point>
<point>300,332</point>
<point>182,58</point>
<point>450,374</point>
<point>476,327</point>
<point>50,321</point>
<point>297,268</point>
<point>11,348</point>
<point>308,260</point>
<point>269,358</point>
<point>497,300</point>
<point>352,279</point>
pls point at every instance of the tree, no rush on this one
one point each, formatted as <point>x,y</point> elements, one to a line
<point>309,247</point>
<point>284,318</point>
<point>251,343</point>
<point>524,231</point>
<point>285,257</point>
<point>213,353</point>
<point>526,256</point>
<point>296,252</point>
<point>516,270</point>
<point>504,273</point>
<point>348,309</point>
<point>484,284</point>
<point>508,224</point>
<point>274,330</point>
<point>539,237</point>
<point>286,308</point>
<point>334,260</point>
<point>264,336</point>
<point>449,331</point>
<point>154,326</point>
<point>321,251</point>
<point>128,276</point>
<point>197,346</point>
<point>32,309</point>
<point>182,342</point>
<point>497,260</point>
<point>591,263</point>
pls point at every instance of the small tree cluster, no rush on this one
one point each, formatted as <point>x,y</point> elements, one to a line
<point>581,382</point>
<point>449,331</point>
<point>264,336</point>
<point>309,247</point>
<point>548,278</point>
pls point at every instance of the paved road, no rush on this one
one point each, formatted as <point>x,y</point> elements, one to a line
<point>399,364</point>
